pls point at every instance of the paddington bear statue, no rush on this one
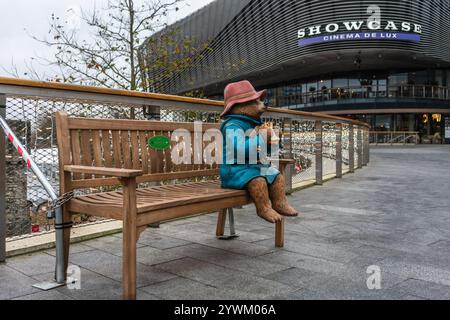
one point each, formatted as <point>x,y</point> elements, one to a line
<point>244,107</point>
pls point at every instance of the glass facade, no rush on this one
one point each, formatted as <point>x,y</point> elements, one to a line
<point>427,128</point>
<point>328,93</point>
<point>431,84</point>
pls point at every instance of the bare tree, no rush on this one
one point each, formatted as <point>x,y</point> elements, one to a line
<point>110,57</point>
<point>169,54</point>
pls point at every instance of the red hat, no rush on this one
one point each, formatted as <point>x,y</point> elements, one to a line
<point>240,92</point>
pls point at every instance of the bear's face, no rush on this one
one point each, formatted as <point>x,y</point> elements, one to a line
<point>252,109</point>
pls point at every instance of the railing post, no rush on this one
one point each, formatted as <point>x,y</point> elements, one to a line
<point>367,150</point>
<point>319,152</point>
<point>152,113</point>
<point>366,138</point>
<point>360,147</point>
<point>2,183</point>
<point>287,148</point>
<point>339,150</point>
<point>351,149</point>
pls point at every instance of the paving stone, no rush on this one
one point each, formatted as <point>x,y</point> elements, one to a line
<point>319,250</point>
<point>197,270</point>
<point>33,264</point>
<point>158,241</point>
<point>152,256</point>
<point>74,248</point>
<point>423,290</point>
<point>236,246</point>
<point>416,271</point>
<point>14,284</point>
<point>110,266</point>
<point>246,234</point>
<point>345,289</point>
<point>186,289</point>
<point>94,286</point>
<point>442,246</point>
<point>231,260</point>
<point>296,278</point>
<point>111,245</point>
<point>253,287</point>
<point>51,295</point>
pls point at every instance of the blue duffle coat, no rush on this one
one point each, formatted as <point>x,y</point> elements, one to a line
<point>234,173</point>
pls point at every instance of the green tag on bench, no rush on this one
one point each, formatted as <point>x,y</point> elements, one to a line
<point>159,143</point>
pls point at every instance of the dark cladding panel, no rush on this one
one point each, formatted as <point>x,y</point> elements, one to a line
<point>258,39</point>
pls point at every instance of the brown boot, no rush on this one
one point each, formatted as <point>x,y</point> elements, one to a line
<point>259,192</point>
<point>279,200</point>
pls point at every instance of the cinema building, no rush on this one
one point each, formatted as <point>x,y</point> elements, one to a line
<point>384,62</point>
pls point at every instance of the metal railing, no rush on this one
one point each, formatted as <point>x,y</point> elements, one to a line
<point>394,137</point>
<point>323,146</point>
<point>366,92</point>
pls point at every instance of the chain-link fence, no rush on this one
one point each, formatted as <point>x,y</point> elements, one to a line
<point>303,151</point>
<point>32,119</point>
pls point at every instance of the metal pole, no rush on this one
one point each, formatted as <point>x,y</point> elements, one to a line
<point>2,185</point>
<point>351,149</point>
<point>339,150</point>
<point>319,152</point>
<point>60,272</point>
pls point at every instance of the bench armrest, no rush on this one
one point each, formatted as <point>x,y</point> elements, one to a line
<point>286,162</point>
<point>109,172</point>
<point>283,163</point>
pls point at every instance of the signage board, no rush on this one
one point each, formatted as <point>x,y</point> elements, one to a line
<point>373,28</point>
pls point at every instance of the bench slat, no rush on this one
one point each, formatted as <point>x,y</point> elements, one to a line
<point>156,177</point>
<point>191,209</point>
<point>117,153</point>
<point>76,150</point>
<point>86,154</point>
<point>152,154</point>
<point>126,152</point>
<point>97,147</point>
<point>144,150</point>
<point>135,150</point>
<point>155,198</point>
<point>168,156</point>
<point>106,142</point>
<point>138,125</point>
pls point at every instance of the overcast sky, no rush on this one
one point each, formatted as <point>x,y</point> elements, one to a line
<point>20,18</point>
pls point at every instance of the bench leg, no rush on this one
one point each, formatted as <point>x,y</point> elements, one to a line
<point>279,234</point>
<point>130,234</point>
<point>221,223</point>
<point>129,262</point>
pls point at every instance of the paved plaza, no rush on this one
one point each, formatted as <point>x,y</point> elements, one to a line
<point>393,215</point>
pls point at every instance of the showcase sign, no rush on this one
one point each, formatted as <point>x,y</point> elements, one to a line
<point>374,28</point>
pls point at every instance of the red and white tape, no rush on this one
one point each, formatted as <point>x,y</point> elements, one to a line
<point>19,147</point>
<point>20,150</point>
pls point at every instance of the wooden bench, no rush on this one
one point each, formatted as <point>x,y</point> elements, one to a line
<point>104,153</point>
